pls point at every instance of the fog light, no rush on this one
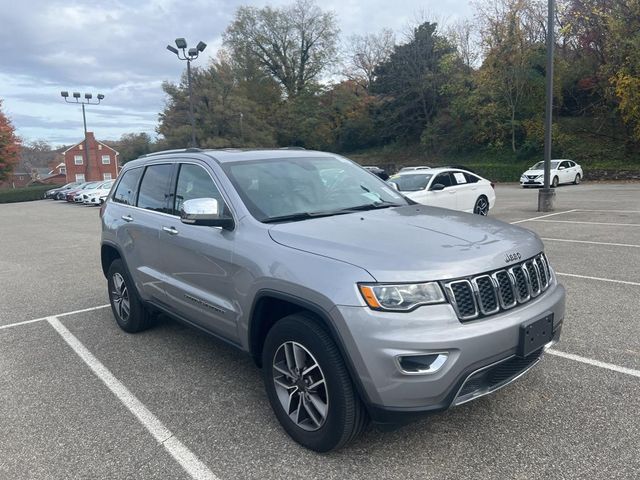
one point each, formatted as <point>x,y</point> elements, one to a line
<point>421,364</point>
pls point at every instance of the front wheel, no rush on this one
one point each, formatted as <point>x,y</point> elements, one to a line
<point>555,182</point>
<point>482,206</point>
<point>308,385</point>
<point>576,181</point>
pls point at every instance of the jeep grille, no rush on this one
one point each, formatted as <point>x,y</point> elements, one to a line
<point>499,290</point>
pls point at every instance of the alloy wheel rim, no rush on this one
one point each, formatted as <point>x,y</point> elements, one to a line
<point>481,206</point>
<point>300,386</point>
<point>120,297</point>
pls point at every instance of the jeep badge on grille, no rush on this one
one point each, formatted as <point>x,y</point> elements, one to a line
<point>512,257</point>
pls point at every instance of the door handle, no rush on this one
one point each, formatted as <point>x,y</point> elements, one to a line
<point>127,218</point>
<point>170,230</point>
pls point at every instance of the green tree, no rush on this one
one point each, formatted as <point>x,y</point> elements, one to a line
<point>293,44</point>
<point>409,84</point>
<point>133,145</point>
<point>9,146</point>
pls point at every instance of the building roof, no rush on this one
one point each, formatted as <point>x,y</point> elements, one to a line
<point>97,141</point>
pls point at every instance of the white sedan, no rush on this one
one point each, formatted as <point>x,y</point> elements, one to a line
<point>92,197</point>
<point>451,188</point>
<point>562,171</point>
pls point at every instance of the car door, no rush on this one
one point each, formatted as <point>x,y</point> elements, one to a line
<point>445,198</point>
<point>198,258</point>
<point>466,193</point>
<point>145,252</point>
<point>565,173</point>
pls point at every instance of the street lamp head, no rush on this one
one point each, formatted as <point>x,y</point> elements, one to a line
<point>100,96</point>
<point>172,49</point>
<point>64,94</point>
<point>201,46</point>
<point>181,43</point>
<point>193,52</point>
<point>76,94</point>
<point>88,96</point>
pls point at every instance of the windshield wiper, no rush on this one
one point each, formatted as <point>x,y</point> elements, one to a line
<point>295,217</point>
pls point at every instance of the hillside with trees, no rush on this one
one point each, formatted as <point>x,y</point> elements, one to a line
<point>471,92</point>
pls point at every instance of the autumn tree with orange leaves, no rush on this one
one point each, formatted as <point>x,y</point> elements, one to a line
<point>9,146</point>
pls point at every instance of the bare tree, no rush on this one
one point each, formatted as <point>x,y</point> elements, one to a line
<point>364,53</point>
<point>463,33</point>
<point>293,44</point>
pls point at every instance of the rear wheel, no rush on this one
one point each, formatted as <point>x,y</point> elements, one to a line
<point>130,313</point>
<point>555,182</point>
<point>482,206</point>
<point>577,179</point>
<point>308,385</point>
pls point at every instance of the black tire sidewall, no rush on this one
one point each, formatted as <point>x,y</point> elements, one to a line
<point>555,182</point>
<point>475,207</point>
<point>340,393</point>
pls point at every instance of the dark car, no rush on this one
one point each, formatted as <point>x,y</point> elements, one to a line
<point>378,171</point>
<point>53,193</point>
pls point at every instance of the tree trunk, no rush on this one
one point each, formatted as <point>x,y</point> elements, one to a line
<point>513,129</point>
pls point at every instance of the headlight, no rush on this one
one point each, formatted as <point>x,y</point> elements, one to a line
<point>401,297</point>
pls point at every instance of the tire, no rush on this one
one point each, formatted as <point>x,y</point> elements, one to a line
<point>576,181</point>
<point>482,206</point>
<point>555,182</point>
<point>297,341</point>
<point>123,296</point>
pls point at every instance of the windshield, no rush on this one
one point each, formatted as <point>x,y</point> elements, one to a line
<point>411,183</point>
<point>540,165</point>
<point>307,187</point>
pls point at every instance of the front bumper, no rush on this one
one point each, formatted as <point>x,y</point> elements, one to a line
<point>375,339</point>
<point>532,183</point>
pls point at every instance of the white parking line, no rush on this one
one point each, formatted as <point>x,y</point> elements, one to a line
<point>587,277</point>
<point>541,216</point>
<point>588,223</point>
<point>607,211</point>
<point>595,363</point>
<point>41,319</point>
<point>181,454</point>
<point>590,242</point>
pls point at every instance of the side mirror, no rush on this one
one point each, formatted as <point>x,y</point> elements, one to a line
<point>394,185</point>
<point>437,187</point>
<point>204,211</point>
<point>560,168</point>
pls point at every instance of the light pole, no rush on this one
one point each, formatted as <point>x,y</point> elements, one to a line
<point>86,101</point>
<point>188,55</point>
<point>546,195</point>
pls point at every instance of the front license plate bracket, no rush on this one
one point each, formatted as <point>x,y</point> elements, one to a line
<point>535,334</point>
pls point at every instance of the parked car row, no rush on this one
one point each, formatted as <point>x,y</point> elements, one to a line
<point>86,193</point>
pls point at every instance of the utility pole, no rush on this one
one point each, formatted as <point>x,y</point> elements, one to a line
<point>546,195</point>
<point>87,101</point>
<point>188,55</point>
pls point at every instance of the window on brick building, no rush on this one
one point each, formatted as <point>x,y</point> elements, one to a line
<point>106,176</point>
<point>77,159</point>
<point>106,159</point>
<point>79,177</point>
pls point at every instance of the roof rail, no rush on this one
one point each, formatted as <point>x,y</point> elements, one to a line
<point>175,150</point>
<point>292,148</point>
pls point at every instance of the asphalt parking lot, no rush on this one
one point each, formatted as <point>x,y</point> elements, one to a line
<point>79,398</point>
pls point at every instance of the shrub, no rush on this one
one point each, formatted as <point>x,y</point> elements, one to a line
<point>25,194</point>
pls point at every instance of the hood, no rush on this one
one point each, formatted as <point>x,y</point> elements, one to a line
<point>534,172</point>
<point>413,243</point>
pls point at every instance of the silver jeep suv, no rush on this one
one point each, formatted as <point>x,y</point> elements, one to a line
<point>357,303</point>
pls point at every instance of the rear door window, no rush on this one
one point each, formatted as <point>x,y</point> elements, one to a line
<point>126,190</point>
<point>471,178</point>
<point>459,178</point>
<point>154,188</point>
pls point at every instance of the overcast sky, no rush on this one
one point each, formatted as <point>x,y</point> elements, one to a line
<point>117,47</point>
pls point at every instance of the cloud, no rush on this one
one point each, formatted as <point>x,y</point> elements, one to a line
<point>117,47</point>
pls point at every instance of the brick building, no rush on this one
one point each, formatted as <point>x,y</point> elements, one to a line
<point>103,161</point>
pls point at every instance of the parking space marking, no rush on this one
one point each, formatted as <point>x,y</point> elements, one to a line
<point>590,242</point>
<point>541,216</point>
<point>42,319</point>
<point>588,223</point>
<point>181,454</point>
<point>587,277</point>
<point>607,211</point>
<point>595,363</point>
